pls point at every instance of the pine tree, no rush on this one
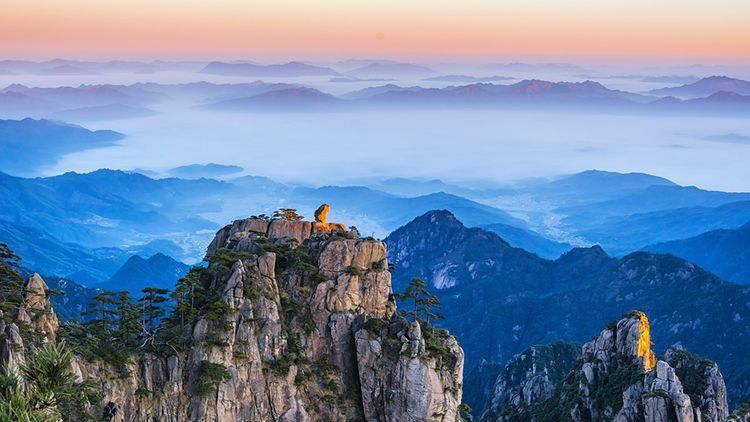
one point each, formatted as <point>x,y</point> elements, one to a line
<point>11,284</point>
<point>101,323</point>
<point>187,295</point>
<point>127,332</point>
<point>152,310</point>
<point>423,304</point>
<point>287,214</point>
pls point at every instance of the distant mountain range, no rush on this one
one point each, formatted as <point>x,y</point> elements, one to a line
<point>284,100</point>
<point>291,69</point>
<point>137,273</point>
<point>101,215</point>
<point>466,78</point>
<point>528,94</point>
<point>499,300</point>
<point>27,145</point>
<point>102,113</point>
<point>84,226</point>
<point>111,102</point>
<point>79,67</point>
<point>390,69</point>
<point>706,87</point>
<point>724,252</point>
<point>81,103</point>
<point>623,234</point>
<point>198,171</point>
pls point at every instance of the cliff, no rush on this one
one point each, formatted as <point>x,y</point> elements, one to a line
<point>296,323</point>
<point>33,317</point>
<point>499,301</point>
<point>617,378</point>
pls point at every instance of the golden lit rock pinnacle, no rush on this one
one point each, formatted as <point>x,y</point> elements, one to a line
<point>643,350</point>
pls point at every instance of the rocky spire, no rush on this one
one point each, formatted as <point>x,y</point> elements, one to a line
<point>619,378</point>
<point>310,333</point>
<point>34,316</point>
<point>36,309</point>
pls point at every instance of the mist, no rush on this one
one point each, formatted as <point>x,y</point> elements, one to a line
<point>457,145</point>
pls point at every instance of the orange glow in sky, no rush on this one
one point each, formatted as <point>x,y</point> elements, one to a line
<point>435,29</point>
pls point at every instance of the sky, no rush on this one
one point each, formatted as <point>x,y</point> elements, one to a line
<point>715,31</point>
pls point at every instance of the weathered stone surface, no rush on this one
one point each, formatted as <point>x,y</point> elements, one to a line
<point>400,381</point>
<point>11,347</point>
<point>297,230</point>
<point>321,214</point>
<point>530,378</point>
<point>37,309</point>
<point>293,342</point>
<point>650,390</point>
<point>709,397</point>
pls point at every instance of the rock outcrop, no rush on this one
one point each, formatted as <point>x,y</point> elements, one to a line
<point>530,378</point>
<point>742,414</point>
<point>702,381</point>
<point>35,316</point>
<point>307,332</point>
<point>618,378</point>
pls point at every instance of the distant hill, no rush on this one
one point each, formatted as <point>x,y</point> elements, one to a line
<point>593,186</point>
<point>28,144</point>
<point>42,252</point>
<point>527,93</point>
<point>197,171</point>
<point>629,233</point>
<point>466,78</point>
<point>18,105</point>
<point>357,203</point>
<point>529,240</point>
<point>69,97</point>
<point>390,69</point>
<point>104,112</point>
<point>284,100</point>
<point>377,90</point>
<point>706,87</point>
<point>651,199</point>
<point>290,69</point>
<point>136,273</point>
<point>107,207</point>
<point>67,70</point>
<point>204,92</point>
<point>499,300</point>
<point>725,252</point>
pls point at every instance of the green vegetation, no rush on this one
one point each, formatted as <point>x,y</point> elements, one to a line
<point>46,389</point>
<point>607,390</point>
<point>11,284</point>
<point>376,325</point>
<point>423,304</point>
<point>210,375</point>
<point>464,412</point>
<point>691,369</point>
<point>287,214</point>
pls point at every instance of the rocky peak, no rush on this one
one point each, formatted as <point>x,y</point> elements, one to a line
<point>309,333</point>
<point>36,309</point>
<point>34,316</point>
<point>702,381</point>
<point>618,378</point>
<point>530,378</point>
<point>240,234</point>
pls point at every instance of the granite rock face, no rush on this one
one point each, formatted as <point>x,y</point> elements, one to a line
<point>310,333</point>
<point>530,378</point>
<point>617,377</point>
<point>35,313</point>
